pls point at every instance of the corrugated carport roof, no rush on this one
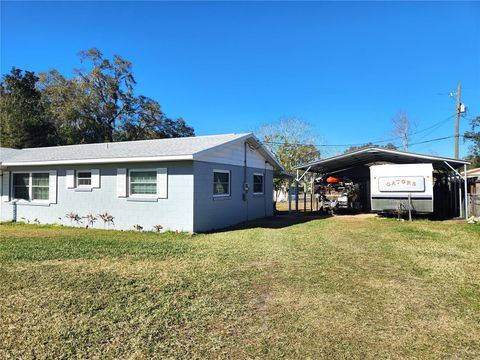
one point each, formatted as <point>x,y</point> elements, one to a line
<point>374,155</point>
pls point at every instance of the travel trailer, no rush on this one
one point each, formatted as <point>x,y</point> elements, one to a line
<point>384,180</point>
<point>396,187</point>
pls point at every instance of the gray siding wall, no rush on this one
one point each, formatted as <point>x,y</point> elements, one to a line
<point>214,213</point>
<point>173,213</point>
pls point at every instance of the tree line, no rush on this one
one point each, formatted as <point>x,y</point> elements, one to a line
<point>98,104</point>
<point>474,137</point>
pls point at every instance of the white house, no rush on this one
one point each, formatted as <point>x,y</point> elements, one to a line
<point>186,184</point>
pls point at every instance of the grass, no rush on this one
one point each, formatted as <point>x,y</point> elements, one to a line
<point>342,287</point>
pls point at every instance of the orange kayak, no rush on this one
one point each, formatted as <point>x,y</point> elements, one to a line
<point>333,180</point>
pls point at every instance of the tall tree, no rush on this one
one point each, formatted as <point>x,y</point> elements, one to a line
<point>23,121</point>
<point>403,128</point>
<point>62,100</point>
<point>292,141</point>
<point>99,104</point>
<point>107,89</point>
<point>149,122</point>
<point>474,137</point>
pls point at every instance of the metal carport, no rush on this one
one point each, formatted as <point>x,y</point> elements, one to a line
<point>357,162</point>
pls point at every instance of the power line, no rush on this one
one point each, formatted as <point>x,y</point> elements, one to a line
<point>340,145</point>
<point>435,125</point>
<point>432,140</point>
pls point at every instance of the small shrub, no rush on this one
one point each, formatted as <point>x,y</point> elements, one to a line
<point>107,219</point>
<point>157,228</point>
<point>74,218</point>
<point>90,220</point>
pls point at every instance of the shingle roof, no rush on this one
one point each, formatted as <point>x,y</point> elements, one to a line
<point>144,150</point>
<point>124,149</point>
<point>7,153</point>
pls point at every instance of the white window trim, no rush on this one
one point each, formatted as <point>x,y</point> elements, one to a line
<point>140,196</point>
<point>229,182</point>
<point>263,183</point>
<point>77,185</point>
<point>30,188</point>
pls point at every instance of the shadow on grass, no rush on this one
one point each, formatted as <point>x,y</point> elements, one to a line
<point>279,221</point>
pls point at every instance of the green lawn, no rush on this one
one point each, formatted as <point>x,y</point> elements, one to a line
<point>343,287</point>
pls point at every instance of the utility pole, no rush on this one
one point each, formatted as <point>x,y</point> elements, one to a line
<point>457,119</point>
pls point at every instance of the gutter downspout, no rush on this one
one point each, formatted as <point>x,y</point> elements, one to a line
<point>265,189</point>
<point>465,180</point>
<point>289,195</point>
<point>296,195</point>
<point>245,190</point>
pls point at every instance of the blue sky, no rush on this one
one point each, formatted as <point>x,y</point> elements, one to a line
<point>229,67</point>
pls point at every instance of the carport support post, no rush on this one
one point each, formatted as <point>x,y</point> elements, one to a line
<point>458,196</point>
<point>409,206</point>
<point>463,209</point>
<point>311,193</point>
<point>289,195</point>
<point>296,193</point>
<point>465,180</point>
<point>461,201</point>
<point>305,193</point>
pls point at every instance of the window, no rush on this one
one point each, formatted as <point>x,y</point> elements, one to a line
<point>143,182</point>
<point>21,185</point>
<point>84,178</point>
<point>40,187</point>
<point>221,183</point>
<point>258,183</point>
<point>31,186</point>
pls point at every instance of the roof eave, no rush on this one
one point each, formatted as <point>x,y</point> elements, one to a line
<point>100,161</point>
<point>246,137</point>
<point>268,155</point>
<point>375,150</point>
